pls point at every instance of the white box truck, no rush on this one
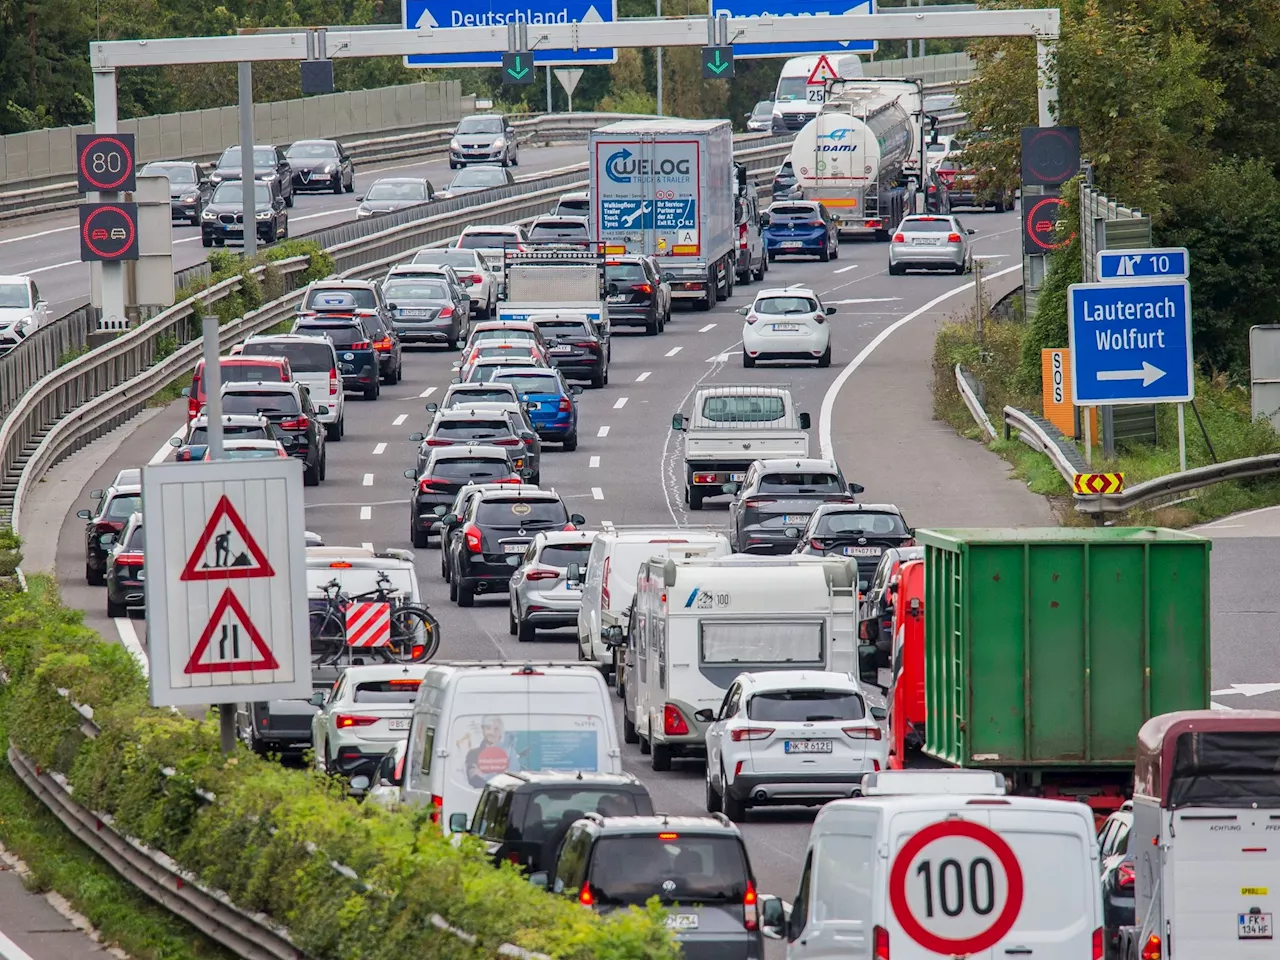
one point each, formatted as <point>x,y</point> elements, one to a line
<point>666,188</point>
<point>796,101</point>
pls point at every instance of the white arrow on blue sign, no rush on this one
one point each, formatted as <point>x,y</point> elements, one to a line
<point>796,8</point>
<point>1140,264</point>
<point>1130,342</point>
<point>429,14</point>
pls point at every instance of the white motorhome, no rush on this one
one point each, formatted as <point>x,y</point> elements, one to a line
<point>475,720</point>
<point>610,578</point>
<point>796,101</point>
<point>700,623</point>
<point>929,864</point>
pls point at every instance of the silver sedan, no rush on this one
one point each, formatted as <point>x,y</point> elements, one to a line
<point>931,243</point>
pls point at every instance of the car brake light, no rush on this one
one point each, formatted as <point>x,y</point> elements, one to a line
<point>604,584</point>
<point>1097,943</point>
<point>334,382</point>
<point>345,720</point>
<point>584,895</point>
<point>537,574</point>
<point>360,345</point>
<point>129,559</point>
<point>438,442</point>
<point>821,318</point>
<point>1125,874</point>
<point>475,542</point>
<point>953,238</point>
<point>643,287</point>
<point>437,803</point>
<point>570,526</point>
<point>473,278</point>
<point>862,733</point>
<point>673,722</point>
<point>565,405</point>
<point>400,767</point>
<point>295,423</point>
<point>814,223</point>
<point>446,313</point>
<point>1150,949</point>
<point>899,238</point>
<point>751,318</point>
<point>817,544</point>
<point>383,345</point>
<point>750,733</point>
<point>426,483</point>
<point>880,941</point>
<point>508,442</point>
<point>750,908</point>
<point>183,455</point>
<point>757,503</point>
<point>511,479</point>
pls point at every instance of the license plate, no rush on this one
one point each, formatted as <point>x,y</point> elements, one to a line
<point>618,298</point>
<point>806,746</point>
<point>415,313</point>
<point>399,723</point>
<point>790,518</point>
<point>562,349</point>
<point>1253,926</point>
<point>737,477</point>
<point>863,551</point>
<point>925,241</point>
<point>514,547</point>
<point>792,244</point>
<point>786,327</point>
<point>682,921</point>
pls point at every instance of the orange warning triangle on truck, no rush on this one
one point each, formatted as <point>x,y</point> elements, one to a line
<point>822,72</point>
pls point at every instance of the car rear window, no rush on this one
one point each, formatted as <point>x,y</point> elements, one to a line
<point>502,333</point>
<point>927,226</point>
<point>415,290</point>
<point>805,706</point>
<point>471,429</point>
<point>743,409</point>
<point>460,398</point>
<point>563,554</point>
<point>523,350</point>
<point>559,231</point>
<point>303,357</point>
<point>564,328</point>
<point>673,867</point>
<point>200,435</point>
<point>322,299</point>
<point>549,809</point>
<point>530,383</point>
<point>387,691</point>
<point>248,372</point>
<point>801,483</point>
<point>458,259</point>
<point>485,241</point>
<point>781,306</point>
<point>625,272</point>
<point>793,210</point>
<point>872,524</point>
<point>122,506</point>
<point>268,403</point>
<point>476,469</point>
<point>249,453</point>
<point>573,206</point>
<point>521,513</point>
<point>137,540</point>
<point>340,335</point>
<point>773,642</point>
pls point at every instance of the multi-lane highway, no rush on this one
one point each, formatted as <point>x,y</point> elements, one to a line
<point>48,246</point>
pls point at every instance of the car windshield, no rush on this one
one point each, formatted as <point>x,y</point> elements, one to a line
<point>267,403</point>
<point>625,272</point>
<point>780,306</point>
<point>312,151</point>
<point>805,706</point>
<point>471,469</point>
<point>938,148</point>
<point>564,328</point>
<point>793,210</point>
<point>261,157</point>
<point>458,259</point>
<point>122,506</point>
<point>792,88</point>
<point>303,357</point>
<point>247,372</point>
<point>480,125</point>
<point>801,483</point>
<point>743,409</point>
<point>486,240</point>
<point>340,335</point>
<point>200,435</point>
<point>563,554</point>
<point>531,382</point>
<point>559,230</point>
<point>346,298</point>
<point>137,539</point>
<point>402,690</point>
<point>471,429</point>
<point>176,172</point>
<point>388,190</point>
<point>230,192</point>
<point>521,513</point>
<point>15,295</point>
<point>923,225</point>
<point>249,453</point>
<point>861,524</point>
<point>415,290</point>
<point>672,867</point>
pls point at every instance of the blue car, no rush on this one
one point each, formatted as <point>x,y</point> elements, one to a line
<point>551,403</point>
<point>803,228</point>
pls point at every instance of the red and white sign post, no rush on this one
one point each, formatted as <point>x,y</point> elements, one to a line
<point>956,888</point>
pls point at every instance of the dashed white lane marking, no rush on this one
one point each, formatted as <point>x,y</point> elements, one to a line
<point>603,431</point>
<point>672,352</point>
<point>379,449</point>
<point>368,545</point>
<point>366,513</point>
<point>619,403</point>
<point>368,479</point>
<point>427,392</point>
<point>644,376</point>
<point>595,462</point>
<point>597,493</point>
<point>400,419</point>
<point>128,640</point>
<point>852,266</point>
<point>709,326</point>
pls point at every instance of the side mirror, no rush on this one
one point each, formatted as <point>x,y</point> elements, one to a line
<point>668,277</point>
<point>323,410</point>
<point>573,573</point>
<point>417,437</point>
<point>107,539</point>
<point>878,714</point>
<point>527,473</point>
<point>84,514</point>
<point>577,519</point>
<point>359,784</point>
<point>612,636</point>
<point>730,487</point>
<point>706,716</point>
<point>457,823</point>
<point>831,311</point>
<point>576,390</point>
<point>439,509</point>
<point>173,442</point>
<point>677,422</point>
<point>455,380</point>
<point>433,407</point>
<point>540,879</point>
<point>792,533</point>
<point>867,669</point>
<point>804,421</point>
<point>863,585</point>
<point>392,306</point>
<point>450,521</point>
<point>317,698</point>
<point>186,391</point>
<point>856,488</point>
<point>97,494</point>
<point>764,220</point>
<point>773,918</point>
<point>411,475</point>
<point>611,289</point>
<point>744,310</point>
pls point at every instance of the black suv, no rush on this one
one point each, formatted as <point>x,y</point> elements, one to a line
<point>581,348</point>
<point>269,164</point>
<point>859,530</point>
<point>495,531</point>
<point>523,817</point>
<point>321,165</point>
<point>222,218</point>
<point>638,296</point>
<point>288,407</point>
<point>696,866</point>
<point>446,471</point>
<point>354,315</point>
<point>104,525</point>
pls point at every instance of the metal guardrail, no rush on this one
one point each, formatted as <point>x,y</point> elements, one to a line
<point>1039,434</point>
<point>1142,494</point>
<point>41,352</point>
<point>969,393</point>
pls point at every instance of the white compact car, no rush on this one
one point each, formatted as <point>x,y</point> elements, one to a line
<point>786,324</point>
<point>789,737</point>
<point>368,710</point>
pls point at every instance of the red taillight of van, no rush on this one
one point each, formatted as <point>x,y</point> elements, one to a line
<point>604,585</point>
<point>1150,950</point>
<point>437,804</point>
<point>585,896</point>
<point>1124,876</point>
<point>334,383</point>
<point>1097,944</point>
<point>750,908</point>
<point>880,943</point>
<point>673,721</point>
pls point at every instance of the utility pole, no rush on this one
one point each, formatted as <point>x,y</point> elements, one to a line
<point>248,189</point>
<point>658,56</point>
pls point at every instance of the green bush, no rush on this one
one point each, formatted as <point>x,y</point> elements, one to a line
<point>254,842</point>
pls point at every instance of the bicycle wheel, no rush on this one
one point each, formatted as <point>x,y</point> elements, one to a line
<point>415,634</point>
<point>328,636</point>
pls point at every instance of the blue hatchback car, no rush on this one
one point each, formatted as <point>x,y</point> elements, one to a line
<point>803,228</point>
<point>553,406</point>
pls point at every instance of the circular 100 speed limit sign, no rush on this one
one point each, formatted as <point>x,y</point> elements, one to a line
<point>956,887</point>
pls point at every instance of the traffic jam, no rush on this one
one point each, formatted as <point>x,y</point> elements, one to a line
<point>1000,736</point>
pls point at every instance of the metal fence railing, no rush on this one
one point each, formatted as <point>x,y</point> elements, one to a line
<point>41,352</point>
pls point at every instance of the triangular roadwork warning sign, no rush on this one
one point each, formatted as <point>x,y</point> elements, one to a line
<point>822,72</point>
<point>226,550</point>
<point>233,651</point>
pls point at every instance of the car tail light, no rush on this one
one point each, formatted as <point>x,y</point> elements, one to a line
<point>813,223</point>
<point>953,238</point>
<point>673,722</point>
<point>584,895</point>
<point>345,720</point>
<point>1097,943</point>
<point>183,455</point>
<point>1150,949</point>
<point>751,318</point>
<point>383,345</point>
<point>565,405</point>
<point>1125,876</point>
<point>296,423</point>
<point>474,278</point>
<point>753,503</point>
<point>821,318</point>
<point>446,313</point>
<point>874,224</point>
<point>129,559</point>
<point>862,733</point>
<point>437,803</point>
<point>427,484</point>
<point>750,908</point>
<point>360,345</point>
<point>508,442</point>
<point>438,442</point>
<point>475,542</point>
<point>817,544</point>
<point>643,288</point>
<point>880,943</point>
<point>704,478</point>
<point>334,382</point>
<point>511,479</point>
<point>899,238</point>
<point>540,574</point>
<point>569,527</point>
<point>604,584</point>
<point>750,733</point>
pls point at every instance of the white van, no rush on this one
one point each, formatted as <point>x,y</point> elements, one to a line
<point>475,720</point>
<point>610,581</point>
<point>796,101</point>
<point>930,864</point>
<point>700,623</point>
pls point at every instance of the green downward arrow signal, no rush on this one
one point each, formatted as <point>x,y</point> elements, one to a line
<point>718,66</point>
<point>518,71</point>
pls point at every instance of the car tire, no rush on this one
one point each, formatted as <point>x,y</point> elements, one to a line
<point>323,469</point>
<point>714,803</point>
<point>660,757</point>
<point>734,809</point>
<point>220,242</point>
<point>115,610</point>
<point>525,632</point>
<point>961,270</point>
<point>629,732</point>
<point>194,221</point>
<point>444,557</point>
<point>645,745</point>
<point>998,206</point>
<point>371,393</point>
<point>288,201</point>
<point>764,265</point>
<point>536,479</point>
<point>466,594</point>
<point>598,380</point>
<point>513,626</point>
<point>748,361</point>
<point>825,359</point>
<point>704,304</point>
<point>651,328</point>
<point>825,253</point>
<point>835,250</point>
<point>206,241</point>
<point>351,184</point>
<point>695,499</point>
<point>515,159</point>
<point>453,590</point>
<point>770,257</point>
<point>419,537</point>
<point>93,577</point>
<point>896,269</point>
<point>570,442</point>
<point>310,476</point>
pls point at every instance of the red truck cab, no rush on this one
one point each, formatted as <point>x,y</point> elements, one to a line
<point>906,701</point>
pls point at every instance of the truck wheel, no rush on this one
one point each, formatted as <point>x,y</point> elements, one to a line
<point>730,279</point>
<point>695,498</point>
<point>629,734</point>
<point>660,757</point>
<point>705,303</point>
<point>644,745</point>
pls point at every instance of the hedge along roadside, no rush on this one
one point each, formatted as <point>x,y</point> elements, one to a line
<point>269,838</point>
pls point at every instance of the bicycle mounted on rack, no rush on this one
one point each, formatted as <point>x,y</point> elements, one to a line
<point>414,630</point>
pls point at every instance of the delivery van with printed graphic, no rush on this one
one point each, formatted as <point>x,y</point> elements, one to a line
<point>474,720</point>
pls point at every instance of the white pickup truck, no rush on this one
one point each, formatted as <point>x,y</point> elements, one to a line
<point>732,426</point>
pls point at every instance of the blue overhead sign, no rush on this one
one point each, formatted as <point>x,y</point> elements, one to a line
<point>1130,342</point>
<point>796,8</point>
<point>430,14</point>
<point>1139,264</point>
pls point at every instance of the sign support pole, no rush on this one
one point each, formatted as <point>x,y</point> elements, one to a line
<point>249,207</point>
<point>658,62</point>
<point>213,412</point>
<point>106,120</point>
<point>1182,437</point>
<point>1086,416</point>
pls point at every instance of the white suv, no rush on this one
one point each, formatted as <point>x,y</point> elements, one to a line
<point>362,717</point>
<point>314,363</point>
<point>789,737</point>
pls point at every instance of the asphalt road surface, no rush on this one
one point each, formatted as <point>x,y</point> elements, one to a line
<point>48,246</point>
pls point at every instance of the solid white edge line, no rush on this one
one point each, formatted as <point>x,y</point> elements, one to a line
<point>166,448</point>
<point>597,493</point>
<point>833,391</point>
<point>129,640</point>
<point>11,951</point>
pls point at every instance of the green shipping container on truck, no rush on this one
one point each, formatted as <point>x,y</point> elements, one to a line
<point>1049,648</point>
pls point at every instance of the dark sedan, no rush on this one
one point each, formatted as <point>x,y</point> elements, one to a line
<point>125,573</point>
<point>269,165</point>
<point>425,311</point>
<point>189,187</point>
<point>321,165</point>
<point>581,348</point>
<point>394,193</point>
<point>638,296</point>
<point>103,526</point>
<point>784,183</point>
<point>862,531</point>
<point>475,179</point>
<point>447,471</point>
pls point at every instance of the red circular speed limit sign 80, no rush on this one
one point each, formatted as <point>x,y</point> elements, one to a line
<point>956,887</point>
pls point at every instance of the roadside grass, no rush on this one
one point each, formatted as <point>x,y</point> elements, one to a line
<point>1223,405</point>
<point>170,391</point>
